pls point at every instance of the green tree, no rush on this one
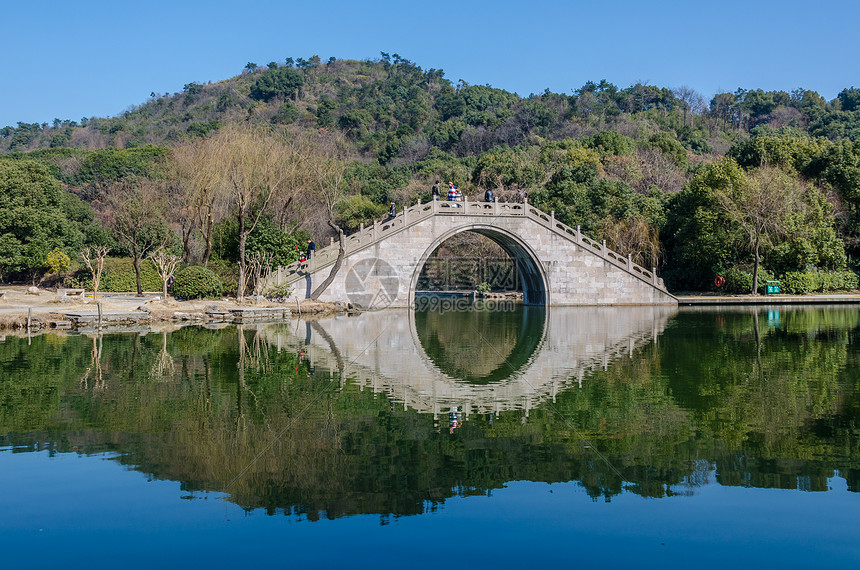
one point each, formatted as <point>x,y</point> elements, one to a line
<point>356,210</point>
<point>849,99</point>
<point>700,240</point>
<point>838,167</point>
<point>787,148</point>
<point>761,206</point>
<point>669,146</point>
<point>37,216</point>
<point>58,261</point>
<point>266,238</point>
<point>277,82</point>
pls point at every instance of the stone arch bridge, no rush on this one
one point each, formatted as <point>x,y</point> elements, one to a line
<point>557,264</point>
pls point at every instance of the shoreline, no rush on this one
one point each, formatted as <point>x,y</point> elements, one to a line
<point>50,310</point>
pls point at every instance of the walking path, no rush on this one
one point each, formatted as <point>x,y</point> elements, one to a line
<point>767,299</point>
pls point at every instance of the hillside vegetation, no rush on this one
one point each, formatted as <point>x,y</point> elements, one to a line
<point>747,185</point>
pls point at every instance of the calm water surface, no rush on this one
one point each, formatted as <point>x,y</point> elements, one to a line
<point>586,437</point>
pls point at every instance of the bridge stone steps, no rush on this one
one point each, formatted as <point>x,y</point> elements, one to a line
<point>378,231</point>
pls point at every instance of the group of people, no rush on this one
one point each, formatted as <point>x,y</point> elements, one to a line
<point>454,194</point>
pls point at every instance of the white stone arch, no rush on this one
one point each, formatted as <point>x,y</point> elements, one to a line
<point>533,276</point>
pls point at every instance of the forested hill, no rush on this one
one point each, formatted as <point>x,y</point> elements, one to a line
<point>396,111</point>
<point>744,184</point>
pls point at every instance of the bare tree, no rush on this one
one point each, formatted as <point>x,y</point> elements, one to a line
<point>95,262</point>
<point>324,162</point>
<point>636,238</point>
<point>256,165</point>
<point>196,195</point>
<point>259,268</point>
<point>658,169</point>
<point>165,264</point>
<point>95,365</point>
<point>164,365</point>
<point>135,213</point>
<point>691,100</point>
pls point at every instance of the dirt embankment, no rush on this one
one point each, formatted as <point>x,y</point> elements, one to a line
<point>19,304</point>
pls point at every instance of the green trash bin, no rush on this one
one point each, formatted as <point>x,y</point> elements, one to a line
<point>771,288</point>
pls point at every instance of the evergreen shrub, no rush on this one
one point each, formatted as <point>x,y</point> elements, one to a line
<point>228,273</point>
<point>802,282</point>
<point>118,276</point>
<point>195,282</point>
<point>740,281</point>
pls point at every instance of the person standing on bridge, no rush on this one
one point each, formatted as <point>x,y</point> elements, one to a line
<point>488,195</point>
<point>454,194</point>
<point>392,211</point>
<point>520,196</point>
<point>312,249</point>
<point>435,191</point>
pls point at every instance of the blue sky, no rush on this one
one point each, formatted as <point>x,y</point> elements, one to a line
<point>85,58</point>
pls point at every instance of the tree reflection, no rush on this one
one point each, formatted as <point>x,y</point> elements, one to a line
<point>481,347</point>
<point>742,398</point>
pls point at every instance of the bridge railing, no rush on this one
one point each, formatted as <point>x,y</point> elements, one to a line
<point>381,229</point>
<point>367,236</point>
<point>600,249</point>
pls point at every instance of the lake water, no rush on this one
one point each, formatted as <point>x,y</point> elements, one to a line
<point>606,437</point>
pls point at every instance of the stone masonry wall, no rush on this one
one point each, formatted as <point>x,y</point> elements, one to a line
<point>383,274</point>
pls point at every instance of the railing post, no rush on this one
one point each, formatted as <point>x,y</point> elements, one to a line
<point>603,251</point>
<point>375,230</point>
<point>552,217</point>
<point>654,275</point>
<point>495,206</point>
<point>629,262</point>
<point>331,240</point>
<point>361,227</point>
<point>465,203</point>
<point>406,215</point>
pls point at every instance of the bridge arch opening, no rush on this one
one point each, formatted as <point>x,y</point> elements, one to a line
<point>530,275</point>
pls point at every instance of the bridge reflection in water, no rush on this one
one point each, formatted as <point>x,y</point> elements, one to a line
<point>477,362</point>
